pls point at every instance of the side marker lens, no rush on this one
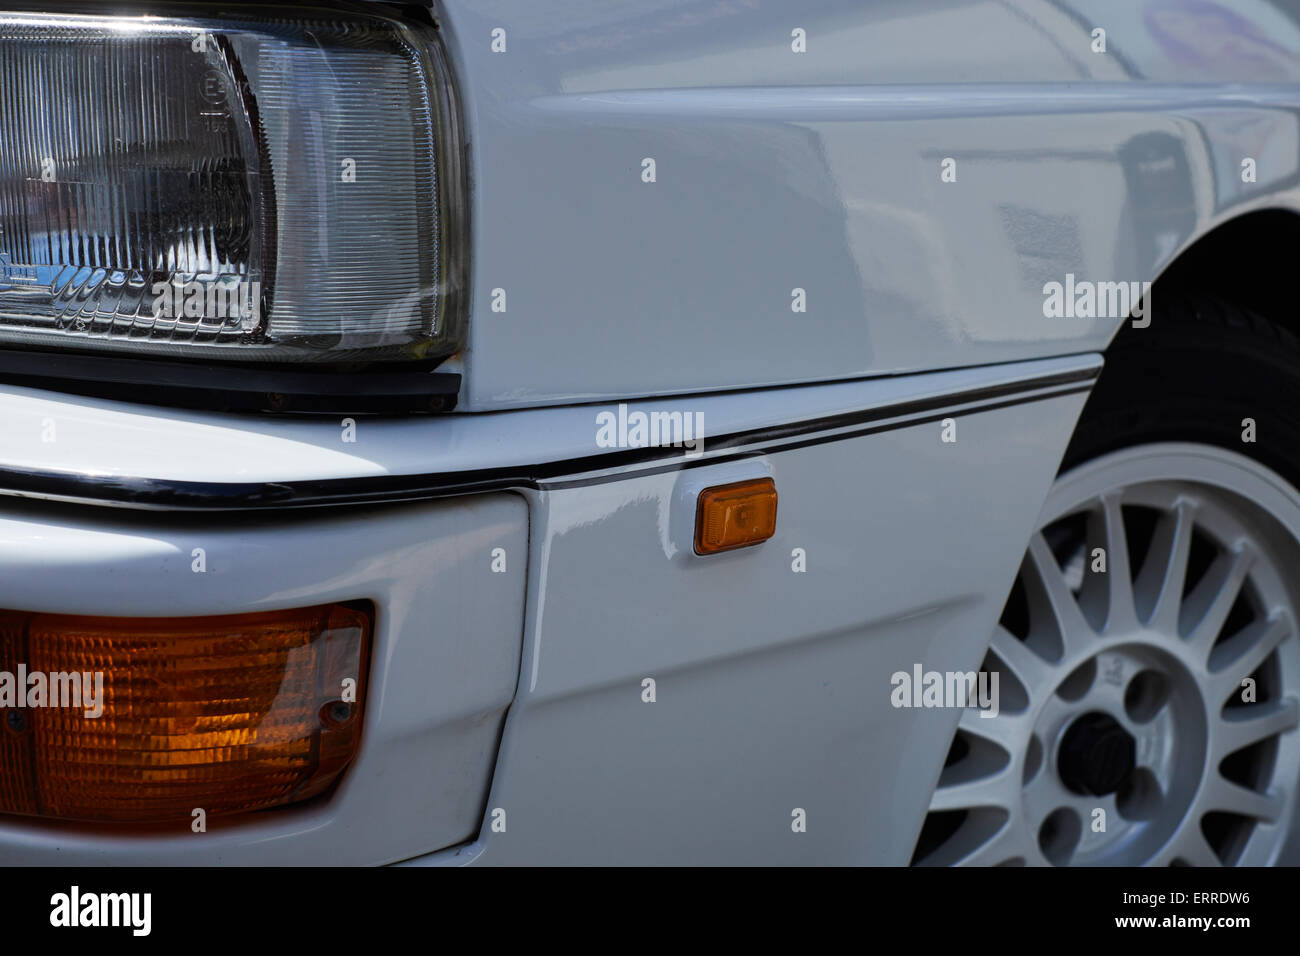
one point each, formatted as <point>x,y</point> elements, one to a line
<point>735,516</point>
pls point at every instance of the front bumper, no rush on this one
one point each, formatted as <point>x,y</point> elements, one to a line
<point>444,660</point>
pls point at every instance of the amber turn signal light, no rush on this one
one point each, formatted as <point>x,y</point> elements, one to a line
<point>146,720</point>
<point>735,515</point>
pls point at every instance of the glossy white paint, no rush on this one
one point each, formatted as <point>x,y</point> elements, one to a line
<point>778,170</point>
<point>772,687</point>
<point>45,431</point>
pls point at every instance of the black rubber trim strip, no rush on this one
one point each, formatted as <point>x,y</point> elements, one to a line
<point>244,388</point>
<point>169,495</point>
<point>819,440</point>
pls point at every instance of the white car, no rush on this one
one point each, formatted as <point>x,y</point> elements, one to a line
<point>671,432</point>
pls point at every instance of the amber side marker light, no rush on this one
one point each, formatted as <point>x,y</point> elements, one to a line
<point>229,714</point>
<point>735,516</point>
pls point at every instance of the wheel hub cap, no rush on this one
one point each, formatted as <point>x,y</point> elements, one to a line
<point>1097,754</point>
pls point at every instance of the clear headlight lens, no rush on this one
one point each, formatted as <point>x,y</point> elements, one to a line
<point>281,189</point>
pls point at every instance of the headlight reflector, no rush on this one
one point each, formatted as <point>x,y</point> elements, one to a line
<point>239,190</point>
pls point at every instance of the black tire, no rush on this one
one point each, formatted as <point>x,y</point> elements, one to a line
<point>1194,374</point>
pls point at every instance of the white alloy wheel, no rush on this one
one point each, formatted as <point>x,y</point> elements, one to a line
<point>1148,710</point>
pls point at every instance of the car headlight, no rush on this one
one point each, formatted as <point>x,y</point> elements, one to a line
<point>280,191</point>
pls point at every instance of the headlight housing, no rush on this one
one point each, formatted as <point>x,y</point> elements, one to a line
<point>278,191</point>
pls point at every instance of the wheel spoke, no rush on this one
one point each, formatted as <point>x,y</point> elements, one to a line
<point>1207,607</point>
<point>1263,720</point>
<point>1159,588</point>
<point>1029,669</point>
<point>1047,584</point>
<point>1006,730</point>
<point>1120,612</point>
<point>1192,847</point>
<point>1240,655</point>
<point>1228,797</point>
<point>992,790</point>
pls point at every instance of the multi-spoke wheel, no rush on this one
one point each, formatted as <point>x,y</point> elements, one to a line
<point>1149,671</point>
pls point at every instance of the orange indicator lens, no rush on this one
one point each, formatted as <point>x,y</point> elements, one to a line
<point>145,720</point>
<point>735,516</point>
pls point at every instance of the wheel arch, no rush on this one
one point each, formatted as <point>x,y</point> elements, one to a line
<point>1248,259</point>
